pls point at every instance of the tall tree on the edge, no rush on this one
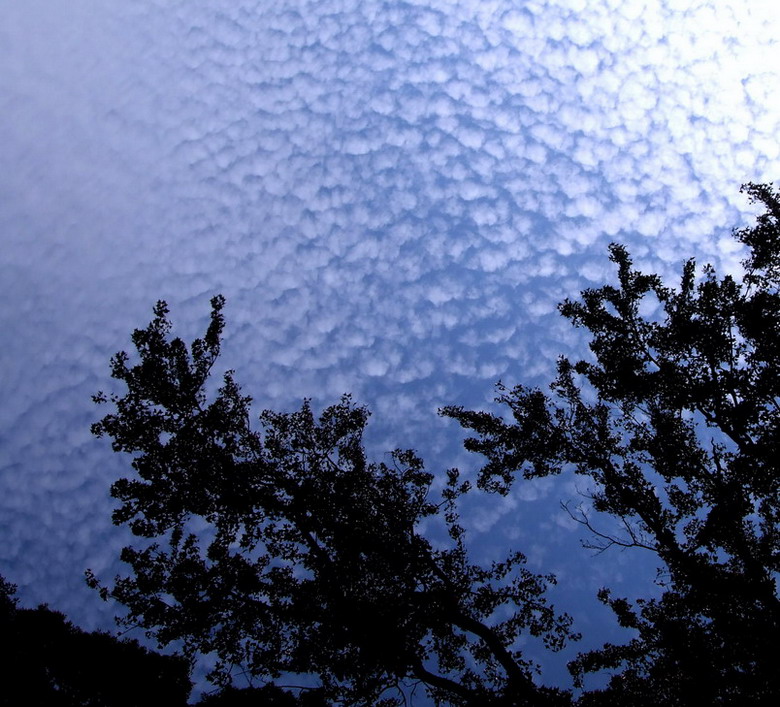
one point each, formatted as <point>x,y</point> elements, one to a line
<point>682,445</point>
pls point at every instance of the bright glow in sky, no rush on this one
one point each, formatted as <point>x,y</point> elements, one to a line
<point>392,196</point>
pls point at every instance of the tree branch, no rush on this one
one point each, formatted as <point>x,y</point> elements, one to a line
<point>609,540</point>
<point>442,683</point>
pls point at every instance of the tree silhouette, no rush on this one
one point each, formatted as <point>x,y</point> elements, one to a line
<point>675,420</point>
<point>267,696</point>
<point>312,561</point>
<point>50,662</point>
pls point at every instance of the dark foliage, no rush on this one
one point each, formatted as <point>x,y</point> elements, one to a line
<point>266,696</point>
<point>49,662</point>
<point>312,563</point>
<point>675,420</point>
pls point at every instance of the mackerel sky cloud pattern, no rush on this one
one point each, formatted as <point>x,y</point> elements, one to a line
<point>393,196</point>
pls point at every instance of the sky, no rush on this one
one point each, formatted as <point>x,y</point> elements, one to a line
<point>392,196</point>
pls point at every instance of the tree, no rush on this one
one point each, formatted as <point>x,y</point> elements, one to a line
<point>313,563</point>
<point>266,696</point>
<point>48,661</point>
<point>675,419</point>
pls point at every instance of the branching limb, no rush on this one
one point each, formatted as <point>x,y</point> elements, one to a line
<point>442,683</point>
<point>605,540</point>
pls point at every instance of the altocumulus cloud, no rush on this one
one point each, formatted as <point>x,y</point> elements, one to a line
<point>392,196</point>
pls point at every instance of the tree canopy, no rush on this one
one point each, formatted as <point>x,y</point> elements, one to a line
<point>312,562</point>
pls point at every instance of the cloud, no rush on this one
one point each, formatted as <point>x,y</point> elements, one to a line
<point>393,197</point>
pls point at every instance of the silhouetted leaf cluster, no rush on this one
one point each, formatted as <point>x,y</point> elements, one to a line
<point>676,422</point>
<point>283,550</point>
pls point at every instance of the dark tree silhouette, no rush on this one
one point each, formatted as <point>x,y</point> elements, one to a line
<point>266,696</point>
<point>312,562</point>
<point>50,662</point>
<point>675,419</point>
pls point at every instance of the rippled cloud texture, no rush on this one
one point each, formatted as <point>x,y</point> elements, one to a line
<point>393,196</point>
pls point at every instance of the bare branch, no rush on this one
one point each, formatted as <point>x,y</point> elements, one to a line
<point>607,541</point>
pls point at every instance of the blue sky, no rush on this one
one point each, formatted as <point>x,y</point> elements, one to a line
<point>392,196</point>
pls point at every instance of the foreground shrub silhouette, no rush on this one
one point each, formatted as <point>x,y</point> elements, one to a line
<point>313,562</point>
<point>49,661</point>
